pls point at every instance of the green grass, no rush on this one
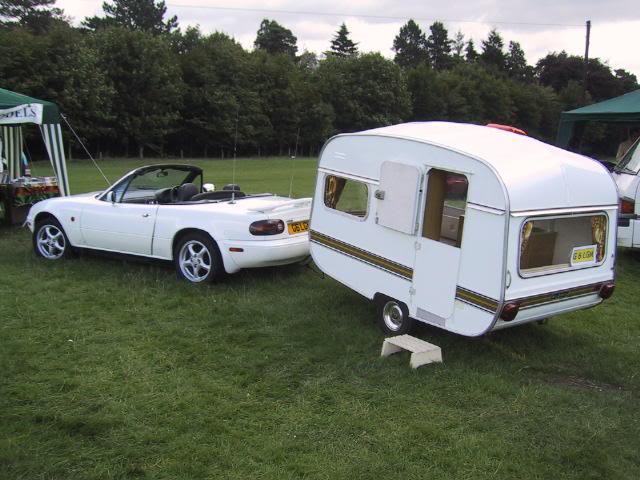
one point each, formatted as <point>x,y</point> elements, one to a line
<point>116,369</point>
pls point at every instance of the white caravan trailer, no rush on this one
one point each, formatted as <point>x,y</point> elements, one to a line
<point>464,227</point>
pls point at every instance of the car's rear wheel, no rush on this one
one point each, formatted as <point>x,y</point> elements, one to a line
<point>50,241</point>
<point>393,317</point>
<point>197,259</point>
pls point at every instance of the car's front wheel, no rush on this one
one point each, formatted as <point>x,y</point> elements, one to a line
<point>50,241</point>
<point>197,259</point>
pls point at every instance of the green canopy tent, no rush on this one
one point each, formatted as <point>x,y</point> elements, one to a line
<point>625,108</point>
<point>15,111</point>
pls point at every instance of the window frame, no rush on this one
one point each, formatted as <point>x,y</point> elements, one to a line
<point>340,212</point>
<point>553,271</point>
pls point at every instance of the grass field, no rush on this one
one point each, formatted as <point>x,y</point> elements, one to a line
<point>116,369</point>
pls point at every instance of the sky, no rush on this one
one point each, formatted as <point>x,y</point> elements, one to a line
<point>541,27</point>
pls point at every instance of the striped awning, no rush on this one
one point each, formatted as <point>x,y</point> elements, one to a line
<point>12,140</point>
<point>12,149</point>
<point>52,135</point>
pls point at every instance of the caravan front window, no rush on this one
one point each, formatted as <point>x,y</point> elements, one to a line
<point>346,195</point>
<point>554,244</point>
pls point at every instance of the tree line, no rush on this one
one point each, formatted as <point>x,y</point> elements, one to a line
<point>131,82</point>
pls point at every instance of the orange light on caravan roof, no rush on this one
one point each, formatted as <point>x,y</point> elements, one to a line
<point>507,128</point>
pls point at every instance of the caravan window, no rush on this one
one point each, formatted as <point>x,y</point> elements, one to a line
<point>562,243</point>
<point>346,195</point>
<point>445,207</point>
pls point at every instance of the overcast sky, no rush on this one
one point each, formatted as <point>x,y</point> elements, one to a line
<point>559,24</point>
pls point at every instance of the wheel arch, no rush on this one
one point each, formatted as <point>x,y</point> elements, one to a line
<point>40,216</point>
<point>180,234</point>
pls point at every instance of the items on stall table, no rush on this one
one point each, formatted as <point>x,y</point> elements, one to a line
<point>18,196</point>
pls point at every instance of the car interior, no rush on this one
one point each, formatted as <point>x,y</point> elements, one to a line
<point>170,184</point>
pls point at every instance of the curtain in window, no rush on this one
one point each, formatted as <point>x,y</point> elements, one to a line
<point>598,233</point>
<point>332,190</point>
<point>527,228</point>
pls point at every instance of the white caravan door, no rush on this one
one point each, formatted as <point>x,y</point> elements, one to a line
<point>397,197</point>
<point>438,244</point>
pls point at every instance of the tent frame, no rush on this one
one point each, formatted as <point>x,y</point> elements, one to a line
<point>44,114</point>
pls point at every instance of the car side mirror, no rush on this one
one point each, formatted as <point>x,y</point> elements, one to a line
<point>208,187</point>
<point>111,196</point>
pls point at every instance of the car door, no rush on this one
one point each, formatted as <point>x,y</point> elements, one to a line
<point>118,226</point>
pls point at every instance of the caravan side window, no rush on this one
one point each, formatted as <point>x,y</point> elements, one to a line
<point>445,207</point>
<point>346,195</point>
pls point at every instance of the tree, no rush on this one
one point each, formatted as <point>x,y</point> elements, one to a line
<point>274,38</point>
<point>145,15</point>
<point>366,91</point>
<point>410,46</point>
<point>458,45</point>
<point>556,70</point>
<point>470,52</point>
<point>439,46</point>
<point>342,45</point>
<point>146,78</point>
<point>37,15</point>
<point>492,51</point>
<point>516,63</point>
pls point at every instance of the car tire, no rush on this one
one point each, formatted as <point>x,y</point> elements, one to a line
<point>197,259</point>
<point>393,317</point>
<point>50,240</point>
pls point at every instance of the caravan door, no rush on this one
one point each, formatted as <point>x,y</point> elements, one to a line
<point>437,261</point>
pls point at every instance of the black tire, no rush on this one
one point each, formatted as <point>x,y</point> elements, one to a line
<point>50,240</point>
<point>393,317</point>
<point>207,255</point>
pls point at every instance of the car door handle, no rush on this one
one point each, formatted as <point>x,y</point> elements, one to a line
<point>145,215</point>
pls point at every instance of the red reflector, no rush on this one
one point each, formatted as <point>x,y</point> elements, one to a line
<point>627,206</point>
<point>509,311</point>
<point>236,249</point>
<point>607,290</point>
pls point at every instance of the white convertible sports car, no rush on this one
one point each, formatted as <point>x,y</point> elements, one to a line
<point>165,212</point>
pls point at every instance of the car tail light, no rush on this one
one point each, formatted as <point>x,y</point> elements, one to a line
<point>267,227</point>
<point>607,290</point>
<point>627,206</point>
<point>509,311</point>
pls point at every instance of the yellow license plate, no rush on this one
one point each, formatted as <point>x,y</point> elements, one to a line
<point>298,227</point>
<point>583,255</point>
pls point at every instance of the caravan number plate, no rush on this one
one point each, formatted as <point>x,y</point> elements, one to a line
<point>298,227</point>
<point>583,255</point>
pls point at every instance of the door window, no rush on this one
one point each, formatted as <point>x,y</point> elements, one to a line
<point>444,211</point>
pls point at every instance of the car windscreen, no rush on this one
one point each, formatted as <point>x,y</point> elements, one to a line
<point>145,185</point>
<point>630,163</point>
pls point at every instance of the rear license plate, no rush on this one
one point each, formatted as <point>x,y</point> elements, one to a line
<point>298,227</point>
<point>583,255</point>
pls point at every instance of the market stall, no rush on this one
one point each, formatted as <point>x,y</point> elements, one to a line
<point>622,109</point>
<point>18,190</point>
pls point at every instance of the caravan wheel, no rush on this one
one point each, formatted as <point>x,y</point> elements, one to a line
<point>393,317</point>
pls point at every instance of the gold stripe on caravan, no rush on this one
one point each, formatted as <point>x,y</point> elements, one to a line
<point>368,257</point>
<point>473,298</point>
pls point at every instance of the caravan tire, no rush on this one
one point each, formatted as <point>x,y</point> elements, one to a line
<point>393,317</point>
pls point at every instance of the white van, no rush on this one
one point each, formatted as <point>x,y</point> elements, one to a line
<point>464,227</point>
<point>627,179</point>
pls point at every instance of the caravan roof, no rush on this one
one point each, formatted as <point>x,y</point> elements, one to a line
<point>536,175</point>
